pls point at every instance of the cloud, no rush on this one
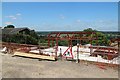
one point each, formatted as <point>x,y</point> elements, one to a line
<point>8,23</point>
<point>103,25</point>
<point>62,17</point>
<point>44,23</point>
<point>78,21</point>
<point>14,17</point>
<point>11,17</point>
<point>106,25</point>
<point>18,14</point>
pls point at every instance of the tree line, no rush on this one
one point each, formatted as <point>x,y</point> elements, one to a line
<point>38,39</point>
<point>31,38</point>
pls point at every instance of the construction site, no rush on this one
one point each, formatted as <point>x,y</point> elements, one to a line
<point>81,61</point>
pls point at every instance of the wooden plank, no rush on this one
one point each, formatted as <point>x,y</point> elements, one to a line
<point>34,55</point>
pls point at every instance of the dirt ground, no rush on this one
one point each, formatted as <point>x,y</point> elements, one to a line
<point>0,66</point>
<point>19,67</point>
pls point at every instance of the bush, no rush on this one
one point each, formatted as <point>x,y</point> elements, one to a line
<point>20,38</point>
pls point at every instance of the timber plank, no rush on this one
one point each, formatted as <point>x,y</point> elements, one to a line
<point>34,55</point>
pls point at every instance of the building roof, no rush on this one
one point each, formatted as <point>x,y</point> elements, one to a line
<point>12,30</point>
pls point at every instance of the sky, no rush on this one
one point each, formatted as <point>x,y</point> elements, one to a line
<point>61,16</point>
<point>60,0</point>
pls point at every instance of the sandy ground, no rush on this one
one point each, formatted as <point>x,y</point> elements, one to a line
<point>19,67</point>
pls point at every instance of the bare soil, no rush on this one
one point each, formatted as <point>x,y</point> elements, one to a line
<point>20,67</point>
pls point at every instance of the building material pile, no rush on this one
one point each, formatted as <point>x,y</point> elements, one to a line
<point>34,56</point>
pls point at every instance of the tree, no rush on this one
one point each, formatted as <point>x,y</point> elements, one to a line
<point>89,30</point>
<point>102,38</point>
<point>34,34</point>
<point>63,43</point>
<point>31,38</point>
<point>9,26</point>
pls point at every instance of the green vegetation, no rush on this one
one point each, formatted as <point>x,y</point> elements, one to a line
<point>102,38</point>
<point>9,26</point>
<point>40,38</point>
<point>63,43</point>
<point>22,38</point>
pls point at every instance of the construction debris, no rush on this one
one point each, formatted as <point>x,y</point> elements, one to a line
<point>84,54</point>
<point>4,50</point>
